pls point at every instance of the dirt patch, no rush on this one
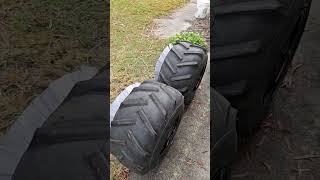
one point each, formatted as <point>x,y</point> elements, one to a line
<point>42,40</point>
<point>201,26</point>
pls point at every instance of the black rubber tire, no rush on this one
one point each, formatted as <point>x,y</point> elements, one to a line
<point>73,136</point>
<point>223,174</point>
<point>145,124</point>
<point>254,42</point>
<point>223,136</point>
<point>183,68</point>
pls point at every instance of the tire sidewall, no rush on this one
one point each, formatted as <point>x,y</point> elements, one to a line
<point>157,156</point>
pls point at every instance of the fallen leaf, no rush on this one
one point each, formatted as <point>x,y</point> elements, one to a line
<point>263,138</point>
<point>267,166</point>
<point>288,144</point>
<point>201,165</point>
<point>306,157</point>
<point>296,67</point>
<point>245,174</point>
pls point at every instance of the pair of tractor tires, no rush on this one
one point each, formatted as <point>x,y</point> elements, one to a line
<point>254,42</point>
<point>146,122</point>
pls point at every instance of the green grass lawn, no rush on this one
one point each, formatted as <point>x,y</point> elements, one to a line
<point>40,41</point>
<point>134,51</point>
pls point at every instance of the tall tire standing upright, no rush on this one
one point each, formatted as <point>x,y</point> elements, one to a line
<point>145,124</point>
<point>254,42</point>
<point>183,68</point>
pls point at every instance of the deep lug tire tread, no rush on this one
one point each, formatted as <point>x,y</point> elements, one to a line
<point>254,42</point>
<point>183,68</point>
<point>139,131</point>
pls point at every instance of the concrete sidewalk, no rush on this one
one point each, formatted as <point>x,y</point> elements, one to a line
<point>180,20</point>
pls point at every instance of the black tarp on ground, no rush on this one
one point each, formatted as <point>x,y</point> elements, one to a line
<point>62,133</point>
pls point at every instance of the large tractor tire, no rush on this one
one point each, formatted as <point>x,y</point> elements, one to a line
<point>58,136</point>
<point>254,42</point>
<point>145,124</point>
<point>183,68</point>
<point>223,136</point>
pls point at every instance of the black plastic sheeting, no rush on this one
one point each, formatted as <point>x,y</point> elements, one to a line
<point>62,133</point>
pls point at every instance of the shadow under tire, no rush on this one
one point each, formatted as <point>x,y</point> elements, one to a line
<point>183,68</point>
<point>224,139</point>
<point>254,44</point>
<point>145,124</point>
<point>223,174</point>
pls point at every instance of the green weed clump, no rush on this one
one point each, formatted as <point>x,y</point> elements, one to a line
<point>193,37</point>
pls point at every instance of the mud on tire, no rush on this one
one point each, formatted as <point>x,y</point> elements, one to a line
<point>145,124</point>
<point>183,68</point>
<point>254,42</point>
